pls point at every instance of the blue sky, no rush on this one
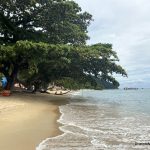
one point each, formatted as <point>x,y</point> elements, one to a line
<point>125,24</point>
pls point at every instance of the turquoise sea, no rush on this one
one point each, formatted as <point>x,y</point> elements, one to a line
<point>104,120</point>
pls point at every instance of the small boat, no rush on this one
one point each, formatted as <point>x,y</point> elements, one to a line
<point>61,92</point>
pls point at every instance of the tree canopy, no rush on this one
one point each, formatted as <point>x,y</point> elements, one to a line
<point>51,21</point>
<point>49,62</point>
<point>45,40</point>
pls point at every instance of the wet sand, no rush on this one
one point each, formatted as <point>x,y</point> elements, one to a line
<point>28,119</point>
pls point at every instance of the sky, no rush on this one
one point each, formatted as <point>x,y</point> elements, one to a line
<point>125,24</point>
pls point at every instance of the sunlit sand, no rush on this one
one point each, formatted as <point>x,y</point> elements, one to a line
<point>28,119</point>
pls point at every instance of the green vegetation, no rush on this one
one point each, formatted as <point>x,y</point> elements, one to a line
<point>50,21</point>
<point>44,41</point>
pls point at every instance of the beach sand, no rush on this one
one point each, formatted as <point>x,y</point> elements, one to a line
<point>28,119</point>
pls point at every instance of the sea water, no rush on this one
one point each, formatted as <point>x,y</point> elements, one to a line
<point>104,120</point>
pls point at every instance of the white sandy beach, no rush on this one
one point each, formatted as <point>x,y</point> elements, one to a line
<point>28,119</point>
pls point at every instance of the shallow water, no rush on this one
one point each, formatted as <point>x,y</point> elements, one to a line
<point>109,119</point>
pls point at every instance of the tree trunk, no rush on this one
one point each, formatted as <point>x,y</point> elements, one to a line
<point>11,79</point>
<point>10,83</point>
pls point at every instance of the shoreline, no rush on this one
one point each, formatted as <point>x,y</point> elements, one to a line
<point>101,124</point>
<point>28,119</point>
<point>42,144</point>
<point>45,143</point>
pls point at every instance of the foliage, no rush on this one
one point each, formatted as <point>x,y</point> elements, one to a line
<point>45,40</point>
<point>20,56</point>
<point>51,21</point>
<point>40,62</point>
<point>69,83</point>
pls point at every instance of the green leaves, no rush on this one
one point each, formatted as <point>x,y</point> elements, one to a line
<point>53,62</point>
<point>55,22</point>
<point>6,53</point>
<point>31,50</point>
<point>46,40</point>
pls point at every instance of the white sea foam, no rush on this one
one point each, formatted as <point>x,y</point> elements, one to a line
<point>95,126</point>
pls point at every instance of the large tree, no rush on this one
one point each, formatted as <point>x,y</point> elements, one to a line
<point>45,40</point>
<point>49,21</point>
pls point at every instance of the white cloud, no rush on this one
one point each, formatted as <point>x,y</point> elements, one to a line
<point>125,24</point>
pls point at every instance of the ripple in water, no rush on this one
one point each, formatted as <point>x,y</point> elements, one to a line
<point>99,125</point>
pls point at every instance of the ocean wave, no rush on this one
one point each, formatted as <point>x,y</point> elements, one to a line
<point>98,126</point>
